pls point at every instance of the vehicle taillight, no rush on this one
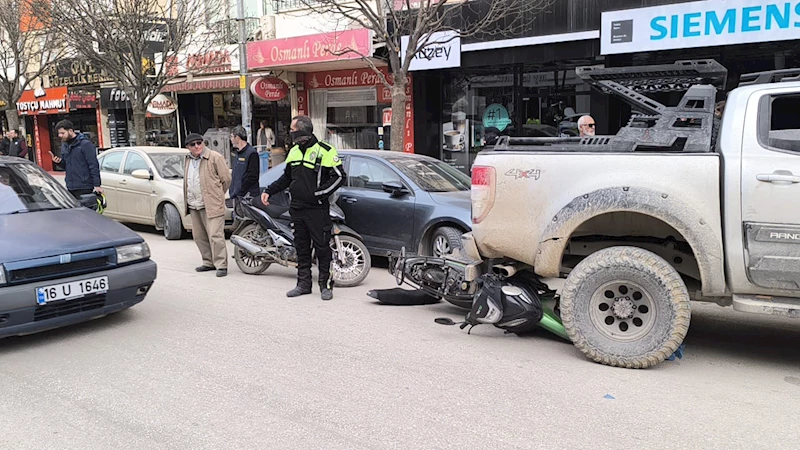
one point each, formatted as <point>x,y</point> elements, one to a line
<point>483,179</point>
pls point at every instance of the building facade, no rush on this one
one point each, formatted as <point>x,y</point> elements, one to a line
<point>526,85</point>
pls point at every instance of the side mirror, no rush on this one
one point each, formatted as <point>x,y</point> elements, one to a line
<point>394,188</point>
<point>89,201</point>
<point>142,174</point>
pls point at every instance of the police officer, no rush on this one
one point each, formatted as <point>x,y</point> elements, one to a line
<point>313,172</point>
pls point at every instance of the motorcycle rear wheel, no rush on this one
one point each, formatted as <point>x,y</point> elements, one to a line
<point>357,262</point>
<point>246,262</point>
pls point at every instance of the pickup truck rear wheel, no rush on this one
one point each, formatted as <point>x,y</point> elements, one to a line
<point>625,307</point>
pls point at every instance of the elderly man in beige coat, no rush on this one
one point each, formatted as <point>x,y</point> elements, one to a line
<point>206,178</point>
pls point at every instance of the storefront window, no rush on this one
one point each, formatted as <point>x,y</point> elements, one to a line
<point>160,131</point>
<point>541,103</point>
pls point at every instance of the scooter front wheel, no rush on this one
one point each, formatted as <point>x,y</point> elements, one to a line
<point>351,261</point>
<point>248,263</point>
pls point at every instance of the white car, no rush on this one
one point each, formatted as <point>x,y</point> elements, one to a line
<point>144,185</point>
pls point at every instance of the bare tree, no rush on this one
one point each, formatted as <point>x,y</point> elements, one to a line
<point>139,43</point>
<point>27,50</point>
<point>420,21</point>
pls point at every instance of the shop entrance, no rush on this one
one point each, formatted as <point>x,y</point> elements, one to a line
<point>277,115</point>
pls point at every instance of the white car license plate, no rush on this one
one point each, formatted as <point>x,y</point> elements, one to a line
<point>69,291</point>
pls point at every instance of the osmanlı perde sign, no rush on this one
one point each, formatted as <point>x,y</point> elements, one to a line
<point>699,24</point>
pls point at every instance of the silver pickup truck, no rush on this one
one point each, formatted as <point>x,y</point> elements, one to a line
<point>680,204</point>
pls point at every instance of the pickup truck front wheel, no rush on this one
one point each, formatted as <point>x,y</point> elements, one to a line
<point>625,307</point>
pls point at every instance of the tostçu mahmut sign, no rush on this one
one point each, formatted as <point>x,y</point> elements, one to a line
<point>699,24</point>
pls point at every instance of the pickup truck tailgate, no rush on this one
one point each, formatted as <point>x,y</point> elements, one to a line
<point>524,196</point>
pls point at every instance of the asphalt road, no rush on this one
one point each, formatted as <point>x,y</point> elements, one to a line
<point>231,363</point>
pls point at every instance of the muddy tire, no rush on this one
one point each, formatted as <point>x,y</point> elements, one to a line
<point>443,242</point>
<point>625,307</point>
<point>173,227</point>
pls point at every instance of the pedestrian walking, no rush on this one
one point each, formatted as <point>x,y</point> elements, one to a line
<point>245,167</point>
<point>206,178</point>
<point>79,160</point>
<point>313,172</point>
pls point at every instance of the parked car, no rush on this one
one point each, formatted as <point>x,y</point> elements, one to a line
<point>397,200</point>
<point>144,185</point>
<point>62,263</point>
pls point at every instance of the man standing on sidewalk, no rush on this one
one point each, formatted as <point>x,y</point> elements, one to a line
<point>16,146</point>
<point>206,178</point>
<point>79,159</point>
<point>245,167</point>
<point>313,172</point>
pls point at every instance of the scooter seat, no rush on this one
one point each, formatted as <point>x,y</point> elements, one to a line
<point>286,216</point>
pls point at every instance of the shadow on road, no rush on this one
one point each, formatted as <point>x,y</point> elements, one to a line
<point>17,343</point>
<point>757,338</point>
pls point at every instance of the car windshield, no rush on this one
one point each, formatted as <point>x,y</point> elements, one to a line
<point>432,175</point>
<point>169,165</point>
<point>25,188</point>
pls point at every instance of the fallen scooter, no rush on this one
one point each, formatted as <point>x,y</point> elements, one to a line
<point>517,303</point>
<point>261,240</point>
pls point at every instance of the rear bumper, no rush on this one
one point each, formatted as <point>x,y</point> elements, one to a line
<point>21,315</point>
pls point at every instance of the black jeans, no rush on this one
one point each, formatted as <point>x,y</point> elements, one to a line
<point>312,227</point>
<point>78,192</point>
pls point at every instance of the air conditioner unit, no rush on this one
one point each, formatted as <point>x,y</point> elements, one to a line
<point>267,25</point>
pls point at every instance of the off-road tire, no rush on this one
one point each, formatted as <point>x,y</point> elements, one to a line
<point>173,227</point>
<point>661,282</point>
<point>449,235</point>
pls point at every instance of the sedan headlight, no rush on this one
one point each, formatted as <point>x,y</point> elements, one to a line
<point>130,253</point>
<point>2,275</point>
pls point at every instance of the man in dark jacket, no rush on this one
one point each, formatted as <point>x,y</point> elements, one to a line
<point>313,172</point>
<point>16,146</point>
<point>79,159</point>
<point>245,167</point>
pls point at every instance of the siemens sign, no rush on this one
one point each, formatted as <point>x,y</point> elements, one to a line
<point>699,24</point>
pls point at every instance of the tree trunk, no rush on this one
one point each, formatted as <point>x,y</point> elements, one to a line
<point>139,127</point>
<point>398,113</point>
<point>13,118</point>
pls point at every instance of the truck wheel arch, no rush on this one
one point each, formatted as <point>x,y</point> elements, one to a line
<point>705,243</point>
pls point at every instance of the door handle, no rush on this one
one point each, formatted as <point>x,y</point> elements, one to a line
<point>123,181</point>
<point>779,176</point>
<point>350,200</point>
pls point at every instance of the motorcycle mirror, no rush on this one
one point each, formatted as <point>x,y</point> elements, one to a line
<point>444,321</point>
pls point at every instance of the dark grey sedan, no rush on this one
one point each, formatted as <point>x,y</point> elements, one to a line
<point>397,200</point>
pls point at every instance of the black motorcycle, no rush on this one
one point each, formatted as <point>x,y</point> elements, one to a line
<point>264,236</point>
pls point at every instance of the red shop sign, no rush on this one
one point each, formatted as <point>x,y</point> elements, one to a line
<point>43,101</point>
<point>269,88</point>
<point>387,117</point>
<point>346,78</point>
<point>335,46</point>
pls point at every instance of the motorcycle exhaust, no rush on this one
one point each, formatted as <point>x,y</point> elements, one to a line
<point>506,271</point>
<point>248,246</point>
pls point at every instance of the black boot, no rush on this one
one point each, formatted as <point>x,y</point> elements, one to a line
<point>298,291</point>
<point>327,294</point>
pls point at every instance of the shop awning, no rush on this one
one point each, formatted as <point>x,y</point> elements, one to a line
<point>216,83</point>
